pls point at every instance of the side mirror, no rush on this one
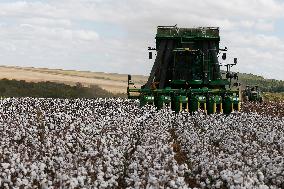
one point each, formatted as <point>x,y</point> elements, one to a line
<point>129,77</point>
<point>235,60</point>
<point>224,56</point>
<point>150,55</point>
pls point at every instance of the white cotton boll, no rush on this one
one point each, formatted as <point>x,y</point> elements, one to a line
<point>25,182</point>
<point>51,126</point>
<point>188,171</point>
<point>60,151</point>
<point>238,179</point>
<point>218,184</point>
<point>5,165</point>
<point>17,136</point>
<point>141,149</point>
<point>260,176</point>
<point>7,171</point>
<point>173,184</point>
<point>42,166</point>
<point>49,183</point>
<point>69,144</point>
<point>18,182</point>
<point>203,174</point>
<point>263,187</point>
<point>33,174</point>
<point>101,176</point>
<point>152,180</point>
<point>202,184</point>
<point>81,180</point>
<point>249,162</point>
<point>175,168</point>
<point>17,160</point>
<point>112,182</point>
<point>105,151</point>
<point>207,181</point>
<point>6,185</point>
<point>34,167</point>
<point>103,184</point>
<point>60,159</point>
<point>137,185</point>
<point>210,172</point>
<point>44,186</point>
<point>64,177</point>
<point>180,181</point>
<point>74,182</point>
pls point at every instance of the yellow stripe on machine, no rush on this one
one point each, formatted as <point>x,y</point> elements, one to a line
<point>214,108</point>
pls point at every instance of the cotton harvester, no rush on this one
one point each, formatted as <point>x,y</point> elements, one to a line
<point>186,74</point>
<point>252,94</point>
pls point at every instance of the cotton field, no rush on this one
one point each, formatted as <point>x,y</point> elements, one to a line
<point>112,143</point>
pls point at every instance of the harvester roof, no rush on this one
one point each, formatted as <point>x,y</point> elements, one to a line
<point>200,32</point>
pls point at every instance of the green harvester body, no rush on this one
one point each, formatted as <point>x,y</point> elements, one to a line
<point>186,73</point>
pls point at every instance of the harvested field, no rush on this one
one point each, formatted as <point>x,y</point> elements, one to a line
<point>114,83</point>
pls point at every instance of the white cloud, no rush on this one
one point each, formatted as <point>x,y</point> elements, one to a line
<point>260,25</point>
<point>71,33</point>
<point>50,22</point>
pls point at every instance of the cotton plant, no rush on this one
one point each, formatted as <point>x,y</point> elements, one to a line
<point>233,151</point>
<point>114,143</point>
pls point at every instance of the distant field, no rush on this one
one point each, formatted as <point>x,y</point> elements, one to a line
<point>274,96</point>
<point>115,83</point>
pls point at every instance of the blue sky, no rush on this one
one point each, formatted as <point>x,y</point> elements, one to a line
<point>113,36</point>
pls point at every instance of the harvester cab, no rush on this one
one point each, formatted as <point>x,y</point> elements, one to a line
<point>186,73</point>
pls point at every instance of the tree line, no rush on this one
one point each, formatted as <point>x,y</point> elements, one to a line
<point>265,85</point>
<point>14,88</point>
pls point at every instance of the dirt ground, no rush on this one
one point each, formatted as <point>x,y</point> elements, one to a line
<point>115,83</point>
